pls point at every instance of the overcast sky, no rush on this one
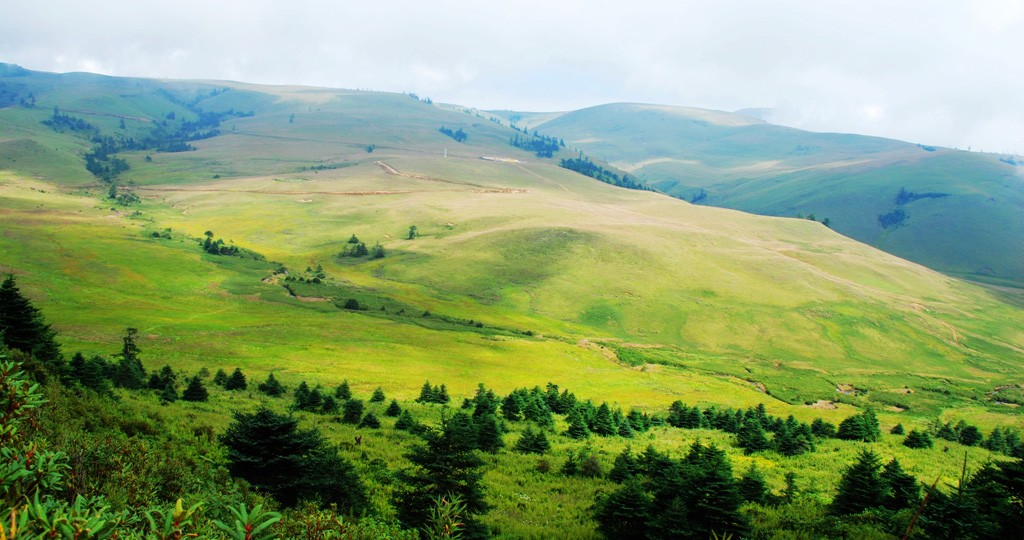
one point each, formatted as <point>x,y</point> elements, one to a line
<point>937,72</point>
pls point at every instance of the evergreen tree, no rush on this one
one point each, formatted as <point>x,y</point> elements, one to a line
<point>789,489</point>
<point>220,378</point>
<point>488,434</point>
<point>626,430</point>
<point>270,452</point>
<point>23,328</point>
<point>696,497</point>
<point>752,486</point>
<point>823,429</point>
<point>624,513</point>
<point>330,405</point>
<point>169,393</point>
<point>343,392</point>
<point>315,401</point>
<point>236,381</point>
<point>405,422</point>
<point>917,439</point>
<point>154,382</point>
<point>378,396</point>
<point>897,430</point>
<point>195,392</point>
<point>442,395</point>
<point>484,402</point>
<point>302,397</point>
<point>271,386</point>
<point>533,442</point>
<point>427,394</point>
<point>970,436</point>
<point>624,467</point>
<point>577,425</point>
<point>860,427</point>
<point>903,490</point>
<point>89,373</point>
<point>393,409</point>
<point>603,423</point>
<point>860,487</point>
<point>130,373</point>
<point>352,411</point>
<point>444,466</point>
<point>369,421</point>
<point>751,437</point>
<point>167,375</point>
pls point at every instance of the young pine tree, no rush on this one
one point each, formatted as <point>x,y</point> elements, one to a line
<point>444,466</point>
<point>169,393</point>
<point>378,396</point>
<point>343,392</point>
<point>236,381</point>
<point>195,392</point>
<point>394,409</point>
<point>220,378</point>
<point>271,387</point>
<point>369,421</point>
<point>352,411</point>
<point>130,373</point>
<point>860,487</point>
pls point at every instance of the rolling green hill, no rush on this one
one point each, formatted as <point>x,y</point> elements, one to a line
<point>962,215</point>
<point>522,273</point>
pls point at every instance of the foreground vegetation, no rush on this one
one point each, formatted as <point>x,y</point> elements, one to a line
<point>88,466</point>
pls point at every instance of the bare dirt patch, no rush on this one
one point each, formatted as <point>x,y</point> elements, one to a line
<point>823,404</point>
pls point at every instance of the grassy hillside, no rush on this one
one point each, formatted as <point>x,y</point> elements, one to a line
<point>965,220</point>
<point>631,297</point>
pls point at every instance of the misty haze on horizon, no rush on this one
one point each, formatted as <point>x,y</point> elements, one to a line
<point>944,73</point>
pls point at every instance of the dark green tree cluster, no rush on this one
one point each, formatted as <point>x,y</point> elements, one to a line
<point>62,121</point>
<point>587,168</point>
<point>1006,441</point>
<point>433,394</point>
<point>533,442</point>
<point>315,400</point>
<point>272,387</point>
<point>235,381</point>
<point>960,432</point>
<point>917,439</point>
<point>867,484</point>
<point>541,145</point>
<point>358,249</point>
<point>985,504</point>
<point>752,426</point>
<point>691,498</point>
<point>860,427</point>
<point>459,135</point>
<point>269,451</point>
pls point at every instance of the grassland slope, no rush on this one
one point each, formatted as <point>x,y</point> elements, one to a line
<point>960,215</point>
<point>633,295</point>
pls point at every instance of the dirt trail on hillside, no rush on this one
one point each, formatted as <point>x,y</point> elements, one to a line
<point>139,118</point>
<point>275,192</point>
<point>480,189</point>
<point>395,172</point>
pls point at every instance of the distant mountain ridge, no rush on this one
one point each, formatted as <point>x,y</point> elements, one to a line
<point>974,230</point>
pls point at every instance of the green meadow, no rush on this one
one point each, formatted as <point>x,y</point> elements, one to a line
<point>729,160</point>
<point>634,298</point>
